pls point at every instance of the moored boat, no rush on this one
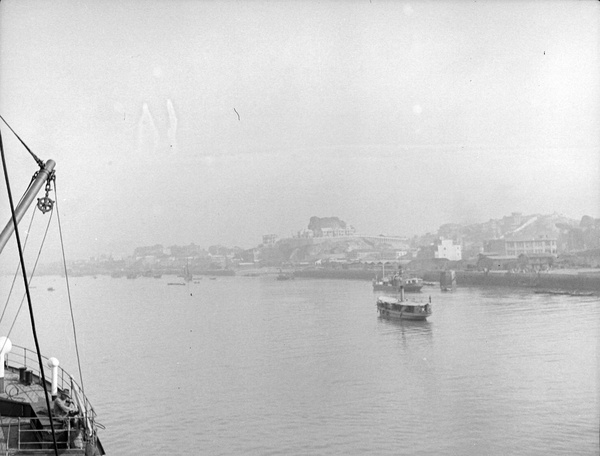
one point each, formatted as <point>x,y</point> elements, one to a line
<point>187,274</point>
<point>285,276</point>
<point>413,284</point>
<point>392,284</point>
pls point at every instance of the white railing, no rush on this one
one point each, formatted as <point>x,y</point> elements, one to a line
<point>23,357</point>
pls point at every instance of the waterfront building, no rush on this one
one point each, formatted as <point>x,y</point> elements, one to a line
<point>522,245</point>
<point>488,262</point>
<point>541,244</point>
<point>537,261</point>
<point>447,249</point>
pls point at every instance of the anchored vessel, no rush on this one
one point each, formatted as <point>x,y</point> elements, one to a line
<point>285,275</point>
<point>43,410</point>
<point>392,284</point>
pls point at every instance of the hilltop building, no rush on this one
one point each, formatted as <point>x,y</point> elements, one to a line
<point>269,239</point>
<point>306,234</point>
<point>335,232</point>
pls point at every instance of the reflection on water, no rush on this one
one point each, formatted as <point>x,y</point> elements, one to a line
<point>410,331</point>
<point>411,326</point>
<point>257,366</point>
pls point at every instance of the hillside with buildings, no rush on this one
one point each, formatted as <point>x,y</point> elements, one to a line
<point>514,242</point>
<point>554,236</point>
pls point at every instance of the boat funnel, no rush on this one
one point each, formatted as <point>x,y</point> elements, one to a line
<point>53,365</point>
<point>401,292</point>
<point>5,348</point>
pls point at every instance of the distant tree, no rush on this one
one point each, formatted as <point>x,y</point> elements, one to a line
<point>587,222</point>
<point>316,224</point>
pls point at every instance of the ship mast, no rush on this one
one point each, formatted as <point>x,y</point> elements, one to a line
<point>42,177</point>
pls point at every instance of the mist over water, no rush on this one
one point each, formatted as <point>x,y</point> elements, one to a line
<point>243,365</point>
<point>219,122</point>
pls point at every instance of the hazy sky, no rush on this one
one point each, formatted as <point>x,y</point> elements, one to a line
<point>218,121</point>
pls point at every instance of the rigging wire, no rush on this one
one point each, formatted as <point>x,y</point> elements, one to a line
<point>22,261</point>
<point>24,247</point>
<point>12,285</point>
<point>62,247</point>
<point>32,274</point>
<point>35,157</point>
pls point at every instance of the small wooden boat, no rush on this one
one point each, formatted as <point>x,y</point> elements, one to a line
<point>401,309</point>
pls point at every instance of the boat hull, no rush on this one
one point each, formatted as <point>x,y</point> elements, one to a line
<point>408,288</point>
<point>395,315</point>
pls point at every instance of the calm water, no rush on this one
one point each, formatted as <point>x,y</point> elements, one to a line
<point>255,366</point>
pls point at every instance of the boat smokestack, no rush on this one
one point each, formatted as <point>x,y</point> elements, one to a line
<point>401,292</point>
<point>53,365</point>
<point>5,348</point>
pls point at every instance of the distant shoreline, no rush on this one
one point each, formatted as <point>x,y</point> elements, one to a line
<point>556,280</point>
<point>551,281</point>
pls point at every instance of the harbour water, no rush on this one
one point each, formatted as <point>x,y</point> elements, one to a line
<point>255,366</point>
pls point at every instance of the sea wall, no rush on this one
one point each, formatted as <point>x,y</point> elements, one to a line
<point>553,281</point>
<point>352,274</point>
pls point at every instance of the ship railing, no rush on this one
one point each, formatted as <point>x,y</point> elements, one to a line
<point>34,435</point>
<point>21,357</point>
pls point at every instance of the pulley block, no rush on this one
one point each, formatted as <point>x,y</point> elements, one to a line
<point>45,204</point>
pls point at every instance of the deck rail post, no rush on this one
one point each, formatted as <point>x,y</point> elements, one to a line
<point>5,348</point>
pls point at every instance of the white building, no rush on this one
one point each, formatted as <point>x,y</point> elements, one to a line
<point>447,249</point>
<point>269,239</point>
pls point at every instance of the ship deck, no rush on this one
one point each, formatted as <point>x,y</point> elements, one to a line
<point>25,426</point>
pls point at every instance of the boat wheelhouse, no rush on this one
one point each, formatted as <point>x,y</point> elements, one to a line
<point>414,284</point>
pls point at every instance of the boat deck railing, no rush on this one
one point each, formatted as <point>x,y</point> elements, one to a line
<point>34,435</point>
<point>21,357</point>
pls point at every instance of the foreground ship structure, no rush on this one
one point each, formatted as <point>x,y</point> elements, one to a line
<point>25,427</point>
<point>43,410</point>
